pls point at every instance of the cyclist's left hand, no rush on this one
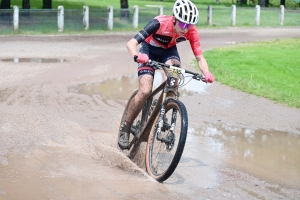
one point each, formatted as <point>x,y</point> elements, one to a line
<point>209,77</point>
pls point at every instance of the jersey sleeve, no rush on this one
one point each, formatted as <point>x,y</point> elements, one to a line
<point>149,29</point>
<point>194,40</point>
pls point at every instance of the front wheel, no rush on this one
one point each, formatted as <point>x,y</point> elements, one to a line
<point>166,141</point>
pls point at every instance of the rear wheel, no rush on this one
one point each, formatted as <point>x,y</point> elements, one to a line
<point>136,128</point>
<point>165,146</point>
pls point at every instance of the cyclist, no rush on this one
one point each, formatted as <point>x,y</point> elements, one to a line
<point>158,42</point>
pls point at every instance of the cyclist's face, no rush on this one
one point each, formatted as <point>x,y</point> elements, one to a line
<point>180,27</point>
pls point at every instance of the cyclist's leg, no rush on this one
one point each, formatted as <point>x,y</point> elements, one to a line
<point>145,74</point>
<point>136,104</point>
<point>171,57</point>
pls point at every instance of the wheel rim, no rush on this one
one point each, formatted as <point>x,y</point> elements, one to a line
<point>161,154</point>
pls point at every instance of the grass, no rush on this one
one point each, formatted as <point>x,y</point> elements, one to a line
<point>267,69</point>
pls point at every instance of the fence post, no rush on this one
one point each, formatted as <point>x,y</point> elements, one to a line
<point>233,15</point>
<point>86,17</point>
<point>160,10</point>
<point>60,18</point>
<point>110,22</point>
<point>16,19</point>
<point>257,18</point>
<point>281,14</point>
<point>135,16</point>
<point>209,15</point>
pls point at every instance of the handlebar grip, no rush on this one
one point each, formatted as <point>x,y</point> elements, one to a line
<point>200,77</point>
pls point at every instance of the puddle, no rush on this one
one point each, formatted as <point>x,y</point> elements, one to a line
<point>121,88</point>
<point>269,155</point>
<point>35,60</point>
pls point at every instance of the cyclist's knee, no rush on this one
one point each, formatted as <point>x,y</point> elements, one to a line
<point>173,61</point>
<point>144,93</point>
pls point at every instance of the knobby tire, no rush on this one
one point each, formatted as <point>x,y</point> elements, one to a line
<point>153,158</point>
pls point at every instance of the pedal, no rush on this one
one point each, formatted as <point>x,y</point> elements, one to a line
<point>133,130</point>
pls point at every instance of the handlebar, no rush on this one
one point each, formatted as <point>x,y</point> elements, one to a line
<point>176,70</point>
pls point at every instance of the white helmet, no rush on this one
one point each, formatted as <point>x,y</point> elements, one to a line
<point>185,11</point>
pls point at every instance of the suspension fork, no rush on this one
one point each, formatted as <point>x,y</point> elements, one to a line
<point>161,121</point>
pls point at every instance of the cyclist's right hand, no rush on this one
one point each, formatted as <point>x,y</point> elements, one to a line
<point>141,58</point>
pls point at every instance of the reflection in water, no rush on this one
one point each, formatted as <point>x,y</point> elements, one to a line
<point>121,88</point>
<point>271,155</point>
<point>115,89</point>
<point>35,60</point>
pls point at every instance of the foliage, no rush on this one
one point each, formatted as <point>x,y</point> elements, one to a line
<point>288,3</point>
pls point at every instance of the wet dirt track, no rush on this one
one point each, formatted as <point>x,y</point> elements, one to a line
<point>59,114</point>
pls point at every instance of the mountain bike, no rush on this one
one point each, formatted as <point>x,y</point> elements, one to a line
<point>162,123</point>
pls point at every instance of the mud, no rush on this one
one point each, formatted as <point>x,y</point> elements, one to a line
<point>58,125</point>
<point>34,60</point>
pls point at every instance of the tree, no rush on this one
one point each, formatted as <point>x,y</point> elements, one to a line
<point>124,10</point>
<point>5,4</point>
<point>47,4</point>
<point>263,3</point>
<point>124,3</point>
<point>26,4</point>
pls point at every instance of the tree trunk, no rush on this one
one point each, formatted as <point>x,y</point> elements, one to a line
<point>5,16</point>
<point>262,3</point>
<point>124,3</point>
<point>26,4</point>
<point>244,2</point>
<point>282,2</point>
<point>47,4</point>
<point>5,4</point>
<point>124,10</point>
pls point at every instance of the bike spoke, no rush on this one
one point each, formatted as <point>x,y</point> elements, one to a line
<point>164,147</point>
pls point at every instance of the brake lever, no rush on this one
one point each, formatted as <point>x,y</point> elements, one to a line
<point>200,77</point>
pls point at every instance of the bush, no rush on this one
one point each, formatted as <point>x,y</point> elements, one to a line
<point>288,3</point>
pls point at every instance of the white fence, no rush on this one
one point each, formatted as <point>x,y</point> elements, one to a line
<point>136,15</point>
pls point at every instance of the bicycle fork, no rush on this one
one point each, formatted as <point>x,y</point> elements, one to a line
<point>164,126</point>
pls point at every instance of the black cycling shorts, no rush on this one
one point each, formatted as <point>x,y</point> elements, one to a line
<point>158,54</point>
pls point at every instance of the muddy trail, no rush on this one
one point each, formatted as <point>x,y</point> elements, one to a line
<point>61,99</point>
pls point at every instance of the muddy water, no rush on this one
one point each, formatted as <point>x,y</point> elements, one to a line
<point>34,60</point>
<point>269,155</point>
<point>58,127</point>
<point>54,173</point>
<point>121,88</point>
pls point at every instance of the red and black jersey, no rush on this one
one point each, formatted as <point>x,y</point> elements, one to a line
<point>160,32</point>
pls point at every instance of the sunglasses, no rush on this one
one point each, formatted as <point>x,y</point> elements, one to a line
<point>183,25</point>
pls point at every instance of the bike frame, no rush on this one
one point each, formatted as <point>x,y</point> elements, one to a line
<point>166,91</point>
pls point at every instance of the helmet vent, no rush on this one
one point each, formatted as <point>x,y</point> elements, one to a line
<point>185,11</point>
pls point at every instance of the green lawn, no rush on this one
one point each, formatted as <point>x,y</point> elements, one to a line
<point>268,69</point>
